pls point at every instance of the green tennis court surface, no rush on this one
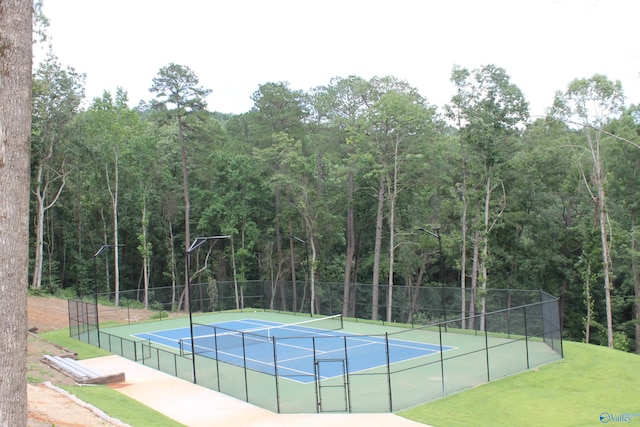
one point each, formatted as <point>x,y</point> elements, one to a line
<point>295,363</point>
<point>305,351</point>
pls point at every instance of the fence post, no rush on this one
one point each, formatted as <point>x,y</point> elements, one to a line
<point>486,346</point>
<point>526,334</point>
<point>85,307</point>
<point>443,302</point>
<point>386,341</point>
<point>175,365</point>
<point>442,358</point>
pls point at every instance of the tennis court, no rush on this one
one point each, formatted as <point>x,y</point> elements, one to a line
<point>293,362</point>
<point>307,351</point>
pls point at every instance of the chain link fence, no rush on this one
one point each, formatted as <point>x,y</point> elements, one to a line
<point>493,333</point>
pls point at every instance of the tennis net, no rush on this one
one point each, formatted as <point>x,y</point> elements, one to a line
<point>224,338</point>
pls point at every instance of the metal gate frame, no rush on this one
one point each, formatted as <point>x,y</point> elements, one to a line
<point>344,385</point>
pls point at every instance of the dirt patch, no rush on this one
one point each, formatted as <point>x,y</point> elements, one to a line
<point>48,313</point>
<point>48,406</point>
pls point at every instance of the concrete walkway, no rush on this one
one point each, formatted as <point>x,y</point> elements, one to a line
<point>197,406</point>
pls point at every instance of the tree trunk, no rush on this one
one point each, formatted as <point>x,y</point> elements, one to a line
<point>278,278</point>
<point>463,243</point>
<point>105,240</point>
<point>172,253</point>
<point>485,254</point>
<point>43,183</point>
<point>377,251</point>
<point>15,133</point>
<point>312,274</point>
<point>636,286</point>
<point>310,226</point>
<point>36,280</point>
<point>392,251</point>
<point>351,246</point>
<point>474,279</point>
<point>416,289</point>
<point>587,291</point>
<point>393,196</point>
<point>606,263</point>
<point>114,208</point>
<point>145,253</point>
<point>292,264</point>
<point>598,178</point>
<point>187,209</point>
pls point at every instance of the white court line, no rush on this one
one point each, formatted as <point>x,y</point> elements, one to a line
<point>324,334</point>
<point>156,342</point>
<point>269,364</point>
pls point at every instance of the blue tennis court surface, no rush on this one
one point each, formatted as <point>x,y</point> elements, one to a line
<point>297,352</point>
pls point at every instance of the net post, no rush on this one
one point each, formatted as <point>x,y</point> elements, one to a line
<point>244,360</point>
<point>275,373</point>
<point>386,342</point>
<point>346,361</point>
<point>317,374</point>
<point>215,343</point>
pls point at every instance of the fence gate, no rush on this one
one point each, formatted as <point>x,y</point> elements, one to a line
<point>332,384</point>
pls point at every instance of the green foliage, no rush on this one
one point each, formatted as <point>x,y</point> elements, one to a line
<point>126,302</point>
<point>308,164</point>
<point>159,314</point>
<point>38,292</point>
<point>621,341</point>
<point>68,293</point>
<point>178,91</point>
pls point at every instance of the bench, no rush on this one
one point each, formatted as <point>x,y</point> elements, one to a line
<point>79,372</point>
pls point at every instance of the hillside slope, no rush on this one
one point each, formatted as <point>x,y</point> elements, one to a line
<point>591,382</point>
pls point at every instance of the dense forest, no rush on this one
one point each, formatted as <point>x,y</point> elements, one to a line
<point>357,181</point>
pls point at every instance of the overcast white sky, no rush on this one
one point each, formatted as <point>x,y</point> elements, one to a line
<point>233,46</point>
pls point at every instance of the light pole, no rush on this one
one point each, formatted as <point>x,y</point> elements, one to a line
<point>102,249</point>
<point>199,241</point>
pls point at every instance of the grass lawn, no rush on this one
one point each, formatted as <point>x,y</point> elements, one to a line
<point>85,351</point>
<point>111,402</point>
<point>119,406</point>
<point>590,381</point>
